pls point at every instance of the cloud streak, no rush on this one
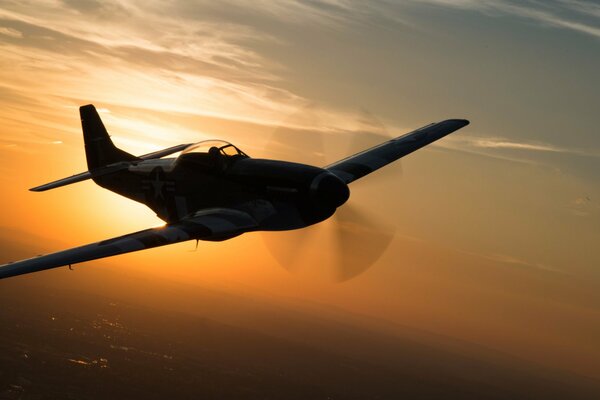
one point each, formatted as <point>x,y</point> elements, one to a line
<point>505,259</point>
<point>584,206</point>
<point>549,13</point>
<point>10,32</point>
<point>509,149</point>
<point>124,54</point>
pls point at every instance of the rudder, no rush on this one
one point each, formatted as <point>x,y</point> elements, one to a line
<point>99,148</point>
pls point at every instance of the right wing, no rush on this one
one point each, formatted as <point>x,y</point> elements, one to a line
<point>212,224</point>
<point>358,165</point>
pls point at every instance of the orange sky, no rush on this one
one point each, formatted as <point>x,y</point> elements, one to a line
<point>496,226</point>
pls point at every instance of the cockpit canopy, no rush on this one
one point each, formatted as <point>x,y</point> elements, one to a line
<point>225,148</point>
<point>213,154</point>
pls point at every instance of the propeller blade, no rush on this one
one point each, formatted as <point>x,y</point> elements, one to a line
<point>361,240</point>
<point>289,247</point>
<point>338,250</point>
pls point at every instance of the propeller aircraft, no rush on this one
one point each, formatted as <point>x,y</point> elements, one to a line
<point>214,191</point>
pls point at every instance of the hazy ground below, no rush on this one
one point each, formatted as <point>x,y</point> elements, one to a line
<point>93,334</point>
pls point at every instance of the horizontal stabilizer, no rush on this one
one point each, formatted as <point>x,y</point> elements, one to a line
<point>63,182</point>
<point>108,169</point>
<point>165,152</point>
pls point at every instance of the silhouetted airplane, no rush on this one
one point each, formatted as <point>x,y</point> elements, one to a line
<point>214,191</point>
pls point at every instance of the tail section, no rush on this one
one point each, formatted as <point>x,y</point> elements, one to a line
<point>99,148</point>
<point>103,157</point>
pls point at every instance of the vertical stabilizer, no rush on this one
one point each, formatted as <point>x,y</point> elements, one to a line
<point>99,149</point>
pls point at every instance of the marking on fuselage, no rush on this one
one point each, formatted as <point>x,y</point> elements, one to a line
<point>157,184</point>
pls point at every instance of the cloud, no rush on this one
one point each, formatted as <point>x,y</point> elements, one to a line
<point>506,259</point>
<point>10,32</point>
<point>334,14</point>
<point>119,53</point>
<point>583,206</point>
<point>505,144</point>
<point>509,149</point>
<point>501,143</point>
<point>515,261</point>
<point>558,14</point>
<point>583,7</point>
<point>183,59</point>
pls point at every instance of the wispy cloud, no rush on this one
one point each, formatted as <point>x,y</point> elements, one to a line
<point>335,14</point>
<point>509,149</point>
<point>506,144</point>
<point>585,8</point>
<point>575,15</point>
<point>119,53</point>
<point>501,143</point>
<point>584,206</point>
<point>515,261</point>
<point>506,259</point>
<point>10,32</point>
<point>153,57</point>
<point>166,58</point>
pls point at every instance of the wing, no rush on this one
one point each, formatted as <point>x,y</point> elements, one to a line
<point>355,167</point>
<point>213,224</point>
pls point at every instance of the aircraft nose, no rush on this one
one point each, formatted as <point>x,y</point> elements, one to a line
<point>329,190</point>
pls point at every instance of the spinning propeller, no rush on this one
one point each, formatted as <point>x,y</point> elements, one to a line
<point>353,239</point>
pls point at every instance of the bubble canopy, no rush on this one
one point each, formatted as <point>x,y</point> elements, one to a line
<point>220,146</point>
<point>210,155</point>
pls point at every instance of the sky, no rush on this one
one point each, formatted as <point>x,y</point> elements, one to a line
<point>496,226</point>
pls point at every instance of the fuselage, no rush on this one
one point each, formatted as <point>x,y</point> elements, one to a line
<point>279,195</point>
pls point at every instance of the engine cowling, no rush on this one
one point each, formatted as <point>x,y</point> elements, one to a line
<point>328,190</point>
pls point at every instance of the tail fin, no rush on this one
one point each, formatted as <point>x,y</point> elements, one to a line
<point>99,149</point>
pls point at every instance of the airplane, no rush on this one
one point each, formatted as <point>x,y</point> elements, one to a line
<point>214,191</point>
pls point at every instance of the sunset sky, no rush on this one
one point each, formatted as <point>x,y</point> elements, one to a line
<point>497,226</point>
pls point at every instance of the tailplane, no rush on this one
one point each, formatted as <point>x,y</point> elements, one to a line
<point>103,157</point>
<point>99,148</point>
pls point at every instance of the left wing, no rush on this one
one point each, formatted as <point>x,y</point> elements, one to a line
<point>212,224</point>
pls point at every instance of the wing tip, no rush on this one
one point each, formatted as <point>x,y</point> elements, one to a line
<point>459,121</point>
